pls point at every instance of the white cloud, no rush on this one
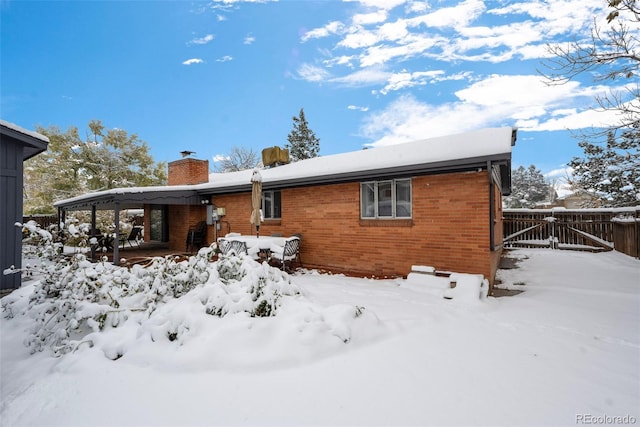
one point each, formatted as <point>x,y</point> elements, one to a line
<point>408,119</point>
<point>249,39</point>
<point>568,17</point>
<point>514,91</point>
<point>454,33</point>
<point>405,79</point>
<point>230,2</point>
<point>357,108</point>
<point>334,27</point>
<point>220,158</point>
<point>312,73</point>
<point>364,77</point>
<point>381,54</point>
<point>456,16</point>
<point>340,60</point>
<point>201,40</point>
<point>578,120</point>
<point>396,49</point>
<point>379,4</point>
<point>193,61</point>
<point>521,101</point>
<point>370,18</point>
<point>359,38</point>
<point>225,58</point>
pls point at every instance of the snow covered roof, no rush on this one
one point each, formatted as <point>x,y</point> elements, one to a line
<point>462,151</point>
<point>34,142</point>
<point>466,151</point>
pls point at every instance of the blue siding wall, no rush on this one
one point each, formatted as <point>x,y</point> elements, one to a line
<point>11,155</point>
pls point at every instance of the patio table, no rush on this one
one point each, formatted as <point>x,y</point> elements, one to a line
<point>258,245</point>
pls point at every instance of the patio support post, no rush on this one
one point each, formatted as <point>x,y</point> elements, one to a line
<point>116,240</point>
<point>93,230</point>
<point>61,221</point>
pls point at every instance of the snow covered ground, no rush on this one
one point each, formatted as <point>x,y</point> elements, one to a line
<point>564,352</point>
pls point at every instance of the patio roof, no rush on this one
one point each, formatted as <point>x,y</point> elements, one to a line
<point>135,197</point>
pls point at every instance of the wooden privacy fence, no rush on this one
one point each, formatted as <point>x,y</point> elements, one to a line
<point>578,229</point>
<point>43,219</point>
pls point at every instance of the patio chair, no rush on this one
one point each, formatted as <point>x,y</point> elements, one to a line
<point>229,247</point>
<point>197,235</point>
<point>287,253</point>
<point>223,246</point>
<point>133,237</point>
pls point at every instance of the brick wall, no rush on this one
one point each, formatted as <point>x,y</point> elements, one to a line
<point>188,171</point>
<point>497,232</point>
<point>449,229</point>
<point>180,218</point>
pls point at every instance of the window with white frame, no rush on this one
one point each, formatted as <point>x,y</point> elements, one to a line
<point>271,204</point>
<point>385,199</point>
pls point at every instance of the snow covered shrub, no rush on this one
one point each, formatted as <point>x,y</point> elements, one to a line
<point>79,304</point>
<point>77,299</point>
<point>74,299</point>
<point>247,286</point>
<point>230,268</point>
<point>38,242</point>
<point>175,277</point>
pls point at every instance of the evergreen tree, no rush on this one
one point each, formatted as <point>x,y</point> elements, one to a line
<point>528,188</point>
<point>71,166</point>
<point>303,143</point>
<point>610,171</point>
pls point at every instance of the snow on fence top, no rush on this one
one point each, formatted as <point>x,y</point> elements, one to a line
<point>563,210</point>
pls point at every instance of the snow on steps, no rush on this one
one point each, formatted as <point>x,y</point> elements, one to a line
<point>454,286</point>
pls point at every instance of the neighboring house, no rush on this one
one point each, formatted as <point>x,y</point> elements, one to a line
<point>375,212</point>
<point>579,199</point>
<point>16,146</point>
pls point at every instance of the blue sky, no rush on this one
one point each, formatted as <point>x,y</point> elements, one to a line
<point>207,76</point>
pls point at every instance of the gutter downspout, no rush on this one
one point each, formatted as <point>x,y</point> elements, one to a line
<point>492,240</point>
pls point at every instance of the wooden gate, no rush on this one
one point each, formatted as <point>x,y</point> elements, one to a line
<point>580,229</point>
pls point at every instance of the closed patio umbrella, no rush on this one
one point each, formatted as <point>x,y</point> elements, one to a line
<point>256,200</point>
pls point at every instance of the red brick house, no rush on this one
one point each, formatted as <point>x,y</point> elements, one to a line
<point>434,202</point>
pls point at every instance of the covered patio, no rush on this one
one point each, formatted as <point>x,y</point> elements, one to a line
<point>154,201</point>
<point>140,254</point>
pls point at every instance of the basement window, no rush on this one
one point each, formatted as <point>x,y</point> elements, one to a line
<point>385,199</point>
<point>271,204</point>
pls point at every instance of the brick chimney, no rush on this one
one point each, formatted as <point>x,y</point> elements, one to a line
<point>188,171</point>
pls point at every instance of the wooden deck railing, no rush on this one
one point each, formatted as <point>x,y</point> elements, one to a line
<point>577,229</point>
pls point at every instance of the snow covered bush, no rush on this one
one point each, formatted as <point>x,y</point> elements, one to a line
<point>79,305</point>
<point>247,286</point>
<point>38,242</point>
<point>79,301</point>
<point>75,299</point>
